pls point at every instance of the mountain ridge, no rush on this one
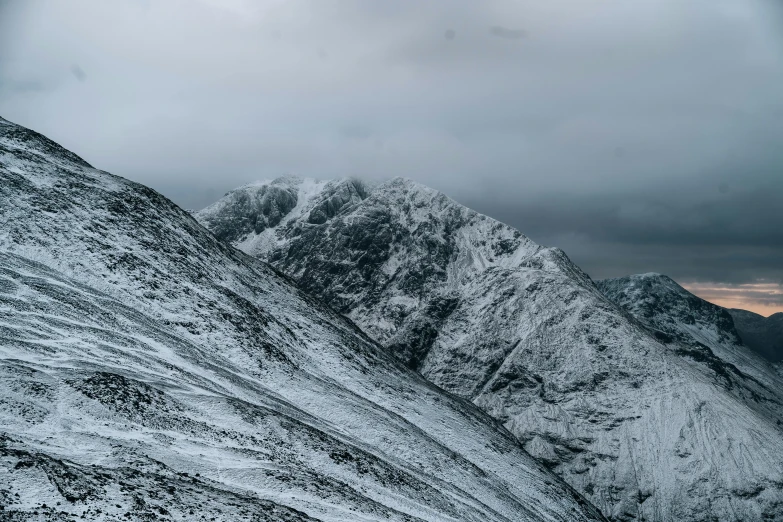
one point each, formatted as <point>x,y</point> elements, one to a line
<point>630,419</point>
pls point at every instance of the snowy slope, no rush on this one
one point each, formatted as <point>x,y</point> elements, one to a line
<point>647,428</point>
<point>148,369</point>
<point>763,334</point>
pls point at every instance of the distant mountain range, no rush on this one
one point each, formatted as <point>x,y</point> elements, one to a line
<point>150,372</point>
<point>640,395</point>
<point>762,334</point>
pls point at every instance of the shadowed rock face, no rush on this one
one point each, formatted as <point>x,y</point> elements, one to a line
<point>253,211</point>
<point>150,372</point>
<point>342,195</point>
<point>763,334</point>
<point>632,415</point>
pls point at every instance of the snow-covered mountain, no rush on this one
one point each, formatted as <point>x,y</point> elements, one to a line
<point>150,372</point>
<point>646,426</point>
<point>675,315</point>
<point>763,334</point>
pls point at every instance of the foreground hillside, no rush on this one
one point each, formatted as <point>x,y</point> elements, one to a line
<point>646,426</point>
<point>149,372</point>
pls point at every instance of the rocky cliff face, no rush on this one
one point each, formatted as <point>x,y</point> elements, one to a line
<point>646,425</point>
<point>762,334</point>
<point>150,372</point>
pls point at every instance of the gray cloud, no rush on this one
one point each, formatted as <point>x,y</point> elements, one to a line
<point>510,34</point>
<point>21,86</point>
<point>358,132</point>
<point>78,73</point>
<point>638,137</point>
<point>767,294</point>
<point>762,298</point>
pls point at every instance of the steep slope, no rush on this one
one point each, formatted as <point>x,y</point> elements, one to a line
<point>647,428</point>
<point>149,371</point>
<point>762,334</point>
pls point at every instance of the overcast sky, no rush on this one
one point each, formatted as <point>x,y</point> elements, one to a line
<point>637,135</point>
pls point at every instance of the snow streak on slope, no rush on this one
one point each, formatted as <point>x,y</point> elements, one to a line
<point>648,428</point>
<point>148,369</point>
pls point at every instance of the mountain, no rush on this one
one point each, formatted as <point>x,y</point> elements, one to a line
<point>645,426</point>
<point>675,315</point>
<point>763,334</point>
<point>150,372</point>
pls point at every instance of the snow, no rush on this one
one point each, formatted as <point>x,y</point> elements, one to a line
<point>147,368</point>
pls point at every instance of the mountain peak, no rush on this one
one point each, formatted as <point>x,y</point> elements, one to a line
<point>22,143</point>
<point>662,303</point>
<point>403,184</point>
<point>481,311</point>
<point>676,316</point>
<point>407,182</point>
<point>649,275</point>
<point>647,286</point>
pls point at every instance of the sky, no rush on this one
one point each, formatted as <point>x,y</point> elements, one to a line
<point>636,135</point>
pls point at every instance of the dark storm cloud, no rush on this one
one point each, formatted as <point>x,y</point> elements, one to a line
<point>700,231</point>
<point>638,136</point>
<point>673,215</point>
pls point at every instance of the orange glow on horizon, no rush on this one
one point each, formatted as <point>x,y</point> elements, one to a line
<point>762,298</point>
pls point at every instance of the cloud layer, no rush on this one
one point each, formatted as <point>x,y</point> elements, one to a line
<point>638,136</point>
<point>762,298</point>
